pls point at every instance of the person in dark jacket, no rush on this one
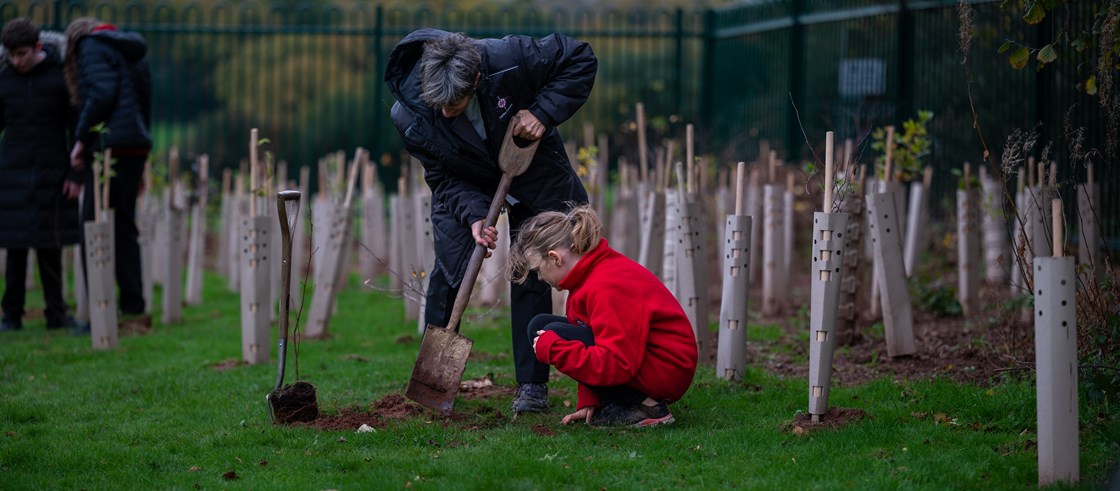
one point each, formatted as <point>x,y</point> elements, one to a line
<point>38,191</point>
<point>109,81</point>
<point>455,98</point>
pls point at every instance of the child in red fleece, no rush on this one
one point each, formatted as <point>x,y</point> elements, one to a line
<point>626,339</point>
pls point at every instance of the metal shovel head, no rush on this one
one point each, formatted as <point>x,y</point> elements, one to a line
<point>439,369</point>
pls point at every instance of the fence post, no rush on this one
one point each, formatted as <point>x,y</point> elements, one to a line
<point>796,81</point>
<point>678,47</point>
<point>905,57</point>
<point>58,16</point>
<point>378,86</point>
<point>707,83</point>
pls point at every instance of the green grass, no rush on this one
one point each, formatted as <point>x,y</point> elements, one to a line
<point>154,414</point>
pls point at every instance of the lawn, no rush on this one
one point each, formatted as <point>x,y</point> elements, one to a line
<point>166,410</point>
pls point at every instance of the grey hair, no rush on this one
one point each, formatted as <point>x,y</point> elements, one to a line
<point>449,69</point>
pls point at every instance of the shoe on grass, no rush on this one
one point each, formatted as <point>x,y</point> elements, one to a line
<point>67,322</point>
<point>531,398</point>
<point>11,325</point>
<point>635,415</point>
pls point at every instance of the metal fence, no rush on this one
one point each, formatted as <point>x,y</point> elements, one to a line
<point>308,74</point>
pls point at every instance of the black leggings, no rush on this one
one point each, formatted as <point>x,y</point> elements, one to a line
<point>622,395</point>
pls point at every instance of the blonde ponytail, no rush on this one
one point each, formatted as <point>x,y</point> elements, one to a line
<point>579,231</point>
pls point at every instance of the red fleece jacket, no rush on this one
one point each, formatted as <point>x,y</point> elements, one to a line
<point>642,336</point>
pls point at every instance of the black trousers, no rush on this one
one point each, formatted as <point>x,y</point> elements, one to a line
<point>527,300</point>
<point>50,275</point>
<point>123,188</point>
<point>622,395</point>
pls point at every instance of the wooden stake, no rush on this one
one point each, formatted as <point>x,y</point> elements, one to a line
<point>1032,180</point>
<point>927,177</point>
<point>689,157</point>
<point>643,160</point>
<point>1053,174</point>
<point>890,153</point>
<point>96,192</point>
<point>1021,181</point>
<point>772,167</point>
<point>848,147</point>
<point>353,177</point>
<point>1089,176</point>
<point>829,142</point>
<point>108,167</point>
<point>1056,211</point>
<point>253,172</point>
<point>790,182</point>
<point>740,188</point>
<point>967,175</point>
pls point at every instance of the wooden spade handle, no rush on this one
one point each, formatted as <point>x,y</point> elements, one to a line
<point>475,265</point>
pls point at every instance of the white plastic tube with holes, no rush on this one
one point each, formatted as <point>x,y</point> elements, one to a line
<point>255,288</point>
<point>101,281</point>
<point>1055,334</point>
<point>968,251</point>
<point>731,356</point>
<point>828,258</point>
<point>898,322</point>
<point>774,248</point>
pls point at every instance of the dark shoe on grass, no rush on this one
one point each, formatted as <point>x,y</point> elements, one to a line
<point>11,325</point>
<point>531,398</point>
<point>67,322</point>
<point>635,415</point>
<point>81,329</point>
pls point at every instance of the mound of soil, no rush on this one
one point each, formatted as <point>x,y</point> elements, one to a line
<point>834,418</point>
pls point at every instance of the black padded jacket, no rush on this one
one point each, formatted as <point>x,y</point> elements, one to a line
<point>35,117</point>
<point>114,87</point>
<point>550,76</point>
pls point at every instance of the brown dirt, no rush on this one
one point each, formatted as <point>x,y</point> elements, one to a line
<point>834,418</point>
<point>347,419</point>
<point>295,403</point>
<point>980,350</point>
<point>480,389</point>
<point>227,364</point>
<point>543,430</point>
<point>396,406</point>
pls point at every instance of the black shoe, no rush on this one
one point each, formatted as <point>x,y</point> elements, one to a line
<point>635,415</point>
<point>11,325</point>
<point>81,329</point>
<point>66,323</point>
<point>531,398</point>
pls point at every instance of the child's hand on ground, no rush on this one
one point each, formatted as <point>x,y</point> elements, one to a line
<point>585,414</point>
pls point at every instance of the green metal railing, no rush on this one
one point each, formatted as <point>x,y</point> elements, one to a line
<point>308,74</point>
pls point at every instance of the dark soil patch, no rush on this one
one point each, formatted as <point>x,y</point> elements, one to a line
<point>139,326</point>
<point>227,364</point>
<point>963,350</point>
<point>396,406</point>
<point>347,419</point>
<point>405,339</point>
<point>294,403</point>
<point>543,430</point>
<point>834,418</point>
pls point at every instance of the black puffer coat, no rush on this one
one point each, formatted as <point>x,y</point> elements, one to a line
<point>551,77</point>
<point>35,157</point>
<point>114,87</point>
